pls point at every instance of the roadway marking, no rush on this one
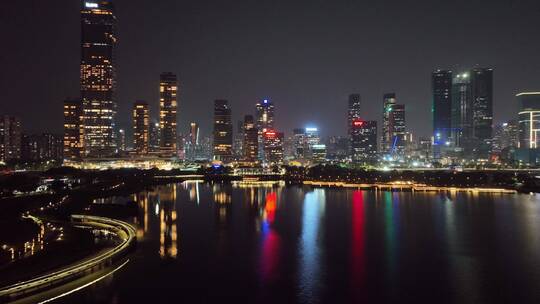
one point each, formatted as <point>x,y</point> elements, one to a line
<point>85,285</point>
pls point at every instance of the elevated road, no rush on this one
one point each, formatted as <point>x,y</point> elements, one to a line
<point>124,231</point>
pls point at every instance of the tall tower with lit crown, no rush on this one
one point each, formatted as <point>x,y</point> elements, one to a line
<point>98,77</point>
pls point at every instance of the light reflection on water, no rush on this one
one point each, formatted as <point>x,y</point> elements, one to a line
<point>310,243</point>
<point>273,240</point>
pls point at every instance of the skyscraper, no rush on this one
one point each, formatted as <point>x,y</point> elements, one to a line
<point>482,94</point>
<point>529,120</point>
<point>462,112</point>
<point>10,138</point>
<point>273,146</point>
<point>300,143</point>
<point>238,145</point>
<point>264,112</point>
<point>441,83</point>
<point>98,77</point>
<point>194,134</point>
<point>386,138</point>
<point>394,129</point>
<point>73,129</point>
<point>251,145</point>
<point>141,127</point>
<point>223,131</point>
<point>364,141</point>
<point>353,111</point>
<point>121,141</point>
<point>168,88</point>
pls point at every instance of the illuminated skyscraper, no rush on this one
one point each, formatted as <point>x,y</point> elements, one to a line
<point>155,135</point>
<point>273,146</point>
<point>264,112</point>
<point>194,134</point>
<point>441,83</point>
<point>353,110</point>
<point>265,115</point>
<point>223,131</point>
<point>73,129</point>
<point>482,102</point>
<point>238,138</point>
<point>394,129</point>
<point>251,145</point>
<point>386,138</point>
<point>141,127</point>
<point>462,112</point>
<point>529,120</point>
<point>168,89</point>
<point>121,139</point>
<point>10,138</point>
<point>98,77</point>
<point>300,146</point>
<point>192,146</point>
<point>364,141</point>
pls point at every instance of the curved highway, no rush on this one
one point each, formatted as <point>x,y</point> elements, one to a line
<point>123,230</point>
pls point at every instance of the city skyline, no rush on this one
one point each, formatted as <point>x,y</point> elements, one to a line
<point>388,72</point>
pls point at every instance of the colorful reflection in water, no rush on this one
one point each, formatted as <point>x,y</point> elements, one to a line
<point>358,255</point>
<point>310,245</point>
<point>391,216</point>
<point>270,240</point>
<point>296,244</point>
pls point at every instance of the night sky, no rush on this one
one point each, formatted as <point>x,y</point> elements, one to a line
<point>306,56</point>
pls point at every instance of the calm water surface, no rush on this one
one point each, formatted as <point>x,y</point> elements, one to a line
<point>208,243</point>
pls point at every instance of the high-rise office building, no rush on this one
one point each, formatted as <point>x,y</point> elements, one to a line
<point>505,138</point>
<point>238,145</point>
<point>529,120</point>
<point>312,136</point>
<point>168,90</point>
<point>386,139</point>
<point>194,134</point>
<point>10,138</point>
<point>398,129</point>
<point>273,146</point>
<point>264,114</point>
<point>155,134</point>
<point>141,127</point>
<point>98,77</point>
<point>192,146</point>
<point>251,144</point>
<point>121,141</point>
<point>394,129</point>
<point>300,147</point>
<point>363,141</point>
<point>223,131</point>
<point>73,129</point>
<point>441,83</point>
<point>353,111</point>
<point>462,112</point>
<point>482,95</point>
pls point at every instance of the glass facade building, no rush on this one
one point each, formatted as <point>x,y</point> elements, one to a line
<point>98,77</point>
